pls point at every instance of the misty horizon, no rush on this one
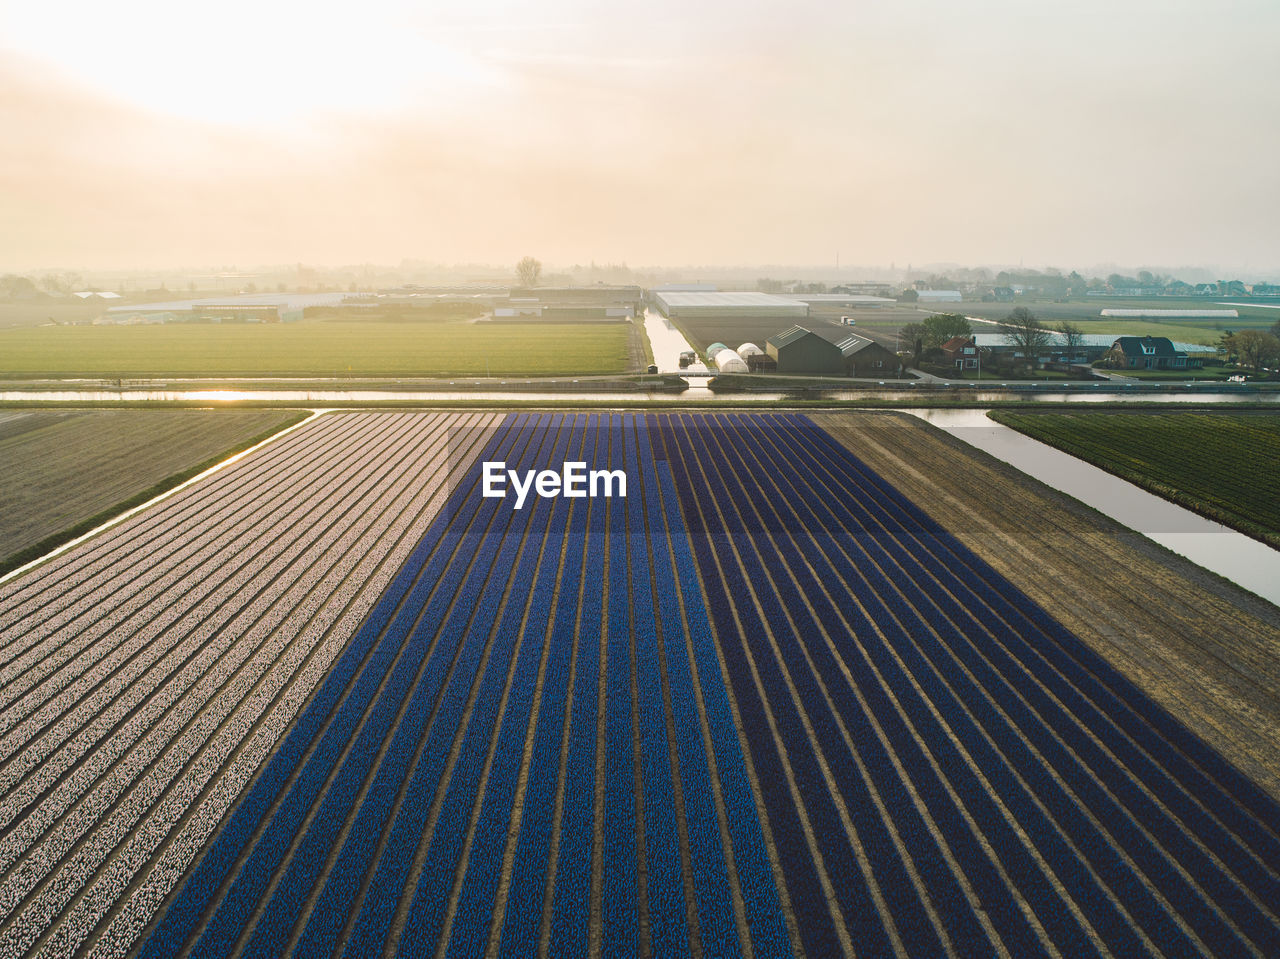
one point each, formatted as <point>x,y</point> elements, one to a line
<point>918,133</point>
<point>367,275</point>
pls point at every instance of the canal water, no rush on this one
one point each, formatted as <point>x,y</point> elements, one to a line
<point>1239,558</point>
<point>696,393</point>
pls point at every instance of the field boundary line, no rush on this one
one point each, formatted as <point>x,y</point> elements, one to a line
<point>103,461</point>
<point>195,620</point>
<point>145,529</point>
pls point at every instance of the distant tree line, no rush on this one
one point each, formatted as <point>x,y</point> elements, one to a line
<point>1055,284</point>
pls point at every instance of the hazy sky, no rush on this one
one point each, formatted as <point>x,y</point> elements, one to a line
<point>139,133</point>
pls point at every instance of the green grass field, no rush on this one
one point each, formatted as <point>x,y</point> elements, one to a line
<point>320,348</point>
<point>1084,314</point>
<point>1189,331</point>
<point>1211,371</point>
<point>1221,465</point>
<point>62,472</point>
<point>1022,374</point>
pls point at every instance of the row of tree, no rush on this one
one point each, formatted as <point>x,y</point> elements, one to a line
<point>1056,284</point>
<point>1255,349</point>
<point>13,286</point>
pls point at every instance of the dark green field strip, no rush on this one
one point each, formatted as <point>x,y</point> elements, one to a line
<point>226,497</point>
<point>75,471</point>
<point>970,774</point>
<point>1225,466</point>
<point>15,422</point>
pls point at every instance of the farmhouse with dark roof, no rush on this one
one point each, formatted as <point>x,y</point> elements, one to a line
<point>1148,353</point>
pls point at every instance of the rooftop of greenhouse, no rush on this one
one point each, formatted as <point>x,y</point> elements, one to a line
<point>745,299</point>
<point>1174,314</point>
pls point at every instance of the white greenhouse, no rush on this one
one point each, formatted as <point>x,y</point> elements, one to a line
<point>728,361</point>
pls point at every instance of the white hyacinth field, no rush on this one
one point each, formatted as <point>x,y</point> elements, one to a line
<point>145,674</point>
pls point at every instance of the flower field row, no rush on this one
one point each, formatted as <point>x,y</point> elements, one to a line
<point>524,746</point>
<point>148,672</point>
<point>969,775</point>
<point>334,700</point>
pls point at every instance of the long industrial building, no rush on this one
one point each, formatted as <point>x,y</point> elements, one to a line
<point>679,303</point>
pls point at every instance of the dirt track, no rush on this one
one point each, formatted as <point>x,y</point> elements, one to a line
<point>1201,647</point>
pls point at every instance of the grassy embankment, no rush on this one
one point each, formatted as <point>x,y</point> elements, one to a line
<point>1214,372</point>
<point>1220,465</point>
<point>320,348</point>
<point>64,472</point>
<point>1022,375</point>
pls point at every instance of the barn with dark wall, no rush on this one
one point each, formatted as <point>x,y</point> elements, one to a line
<point>865,357</point>
<point>798,350</point>
<point>802,351</point>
